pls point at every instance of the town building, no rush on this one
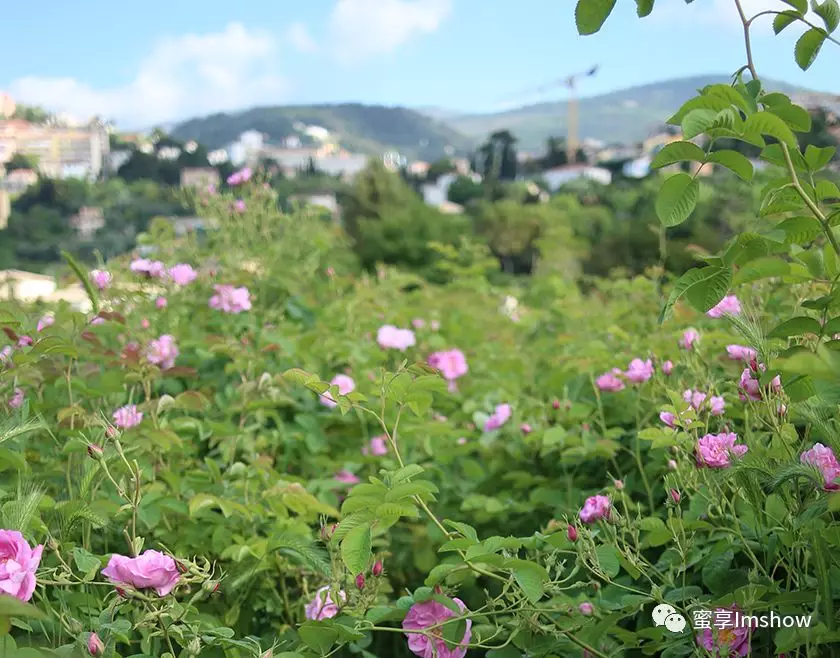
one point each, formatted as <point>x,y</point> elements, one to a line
<point>18,181</point>
<point>5,208</point>
<point>88,221</point>
<point>199,177</point>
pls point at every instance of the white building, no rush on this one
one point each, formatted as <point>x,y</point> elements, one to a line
<point>25,286</point>
<point>559,176</point>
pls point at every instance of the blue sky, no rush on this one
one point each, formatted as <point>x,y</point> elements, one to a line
<point>164,60</point>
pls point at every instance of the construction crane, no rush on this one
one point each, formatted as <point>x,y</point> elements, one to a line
<point>570,82</point>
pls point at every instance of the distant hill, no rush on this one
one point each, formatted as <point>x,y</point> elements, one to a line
<point>623,116</point>
<point>361,128</point>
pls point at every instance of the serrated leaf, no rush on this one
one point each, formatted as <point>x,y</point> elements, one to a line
<point>782,20</point>
<point>808,47</point>
<point>829,11</point>
<point>795,327</point>
<point>734,161</point>
<point>817,158</point>
<point>591,14</point>
<point>697,122</point>
<point>677,199</point>
<point>715,103</point>
<point>678,152</point>
<point>355,549</point>
<point>761,268</point>
<point>644,7</point>
<point>705,285</point>
<point>530,576</point>
<point>608,558</point>
<point>800,5</point>
<point>767,123</point>
<point>794,116</point>
<point>800,230</point>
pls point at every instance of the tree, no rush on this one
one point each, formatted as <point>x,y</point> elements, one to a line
<point>22,161</point>
<point>440,168</point>
<point>31,113</point>
<point>497,158</point>
<point>463,190</point>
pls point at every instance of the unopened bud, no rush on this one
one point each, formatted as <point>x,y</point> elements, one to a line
<point>122,592</point>
<point>618,484</point>
<point>183,568</point>
<point>360,581</point>
<point>571,533</point>
<point>377,568</point>
<point>555,403</point>
<point>438,589</point>
<point>95,646</point>
<point>585,427</point>
<point>94,451</point>
<point>672,465</point>
<point>268,653</point>
<point>675,496</point>
<point>211,586</point>
<point>194,647</point>
<point>526,428</point>
<point>112,432</point>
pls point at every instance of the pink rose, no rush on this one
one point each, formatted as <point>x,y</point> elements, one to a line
<point>153,269</point>
<point>239,205</point>
<point>586,609</point>
<point>689,338</point>
<point>239,177</point>
<point>639,371</point>
<point>716,405</point>
<point>345,385</point>
<point>610,381</point>
<point>18,564</point>
<point>163,352</point>
<point>729,641</point>
<point>46,321</point>
<point>149,570</point>
<point>16,401</point>
<point>230,300</point>
<point>451,363</point>
<point>431,613</point>
<point>377,447</point>
<point>741,353</point>
<point>668,418</point>
<point>322,606</point>
<point>390,337</point>
<point>101,278</point>
<point>127,417</point>
<point>500,416</point>
<point>822,458</point>
<point>346,477</point>
<point>694,398</point>
<point>161,302</point>
<point>715,450</point>
<point>182,274</point>
<point>729,305</point>
<point>595,508</point>
<point>667,367</point>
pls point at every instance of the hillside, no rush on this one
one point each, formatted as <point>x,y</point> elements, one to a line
<point>362,128</point>
<point>624,116</point>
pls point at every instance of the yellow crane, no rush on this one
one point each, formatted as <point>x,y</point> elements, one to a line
<point>570,82</point>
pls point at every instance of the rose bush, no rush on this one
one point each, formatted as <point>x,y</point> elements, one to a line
<point>272,463</point>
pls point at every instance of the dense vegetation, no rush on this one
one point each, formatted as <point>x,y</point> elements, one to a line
<point>251,446</point>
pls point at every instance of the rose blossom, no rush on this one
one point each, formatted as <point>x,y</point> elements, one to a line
<point>668,367</point>
<point>152,268</point>
<point>431,613</point>
<point>101,278</point>
<point>163,352</point>
<point>149,570</point>
<point>18,564</point>
<point>639,371</point>
<point>95,646</point>
<point>610,381</point>
<point>714,450</point>
<point>239,205</point>
<point>16,401</point>
<point>451,363</point>
<point>182,274</point>
<point>730,641</point>
<point>526,428</point>
<point>346,477</point>
<point>390,337</point>
<point>230,299</point>
<point>24,341</point>
<point>689,338</point>
<point>161,302</point>
<point>741,353</point>
<point>46,321</point>
<point>668,418</point>
<point>728,305</point>
<point>376,447</point>
<point>694,398</point>
<point>594,509</point>
<point>127,417</point>
<point>322,606</point>
<point>586,609</point>
<point>750,384</point>
<point>822,457</point>
<point>500,416</point>
<point>716,405</point>
<point>239,177</point>
<point>345,385</point>
<point>418,323</point>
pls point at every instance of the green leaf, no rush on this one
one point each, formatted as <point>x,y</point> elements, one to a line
<point>800,5</point>
<point>808,47</point>
<point>13,607</point>
<point>704,285</point>
<point>85,562</point>
<point>781,21</point>
<point>318,636</point>
<point>715,103</point>
<point>761,268</point>
<point>734,161</point>
<point>817,158</point>
<point>355,549</point>
<point>767,123</point>
<point>644,7</point>
<point>829,11</point>
<point>800,230</point>
<point>677,152</point>
<point>608,558</point>
<point>794,116</point>
<point>530,576</point>
<point>796,327</point>
<point>698,121</point>
<point>466,530</point>
<point>591,14</point>
<point>677,199</point>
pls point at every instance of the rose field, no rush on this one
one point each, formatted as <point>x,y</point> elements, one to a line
<point>251,446</point>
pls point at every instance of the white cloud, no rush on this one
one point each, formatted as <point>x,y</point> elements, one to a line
<point>298,36</point>
<point>367,28</point>
<point>183,76</point>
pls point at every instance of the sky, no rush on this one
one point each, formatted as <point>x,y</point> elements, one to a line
<point>158,61</point>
